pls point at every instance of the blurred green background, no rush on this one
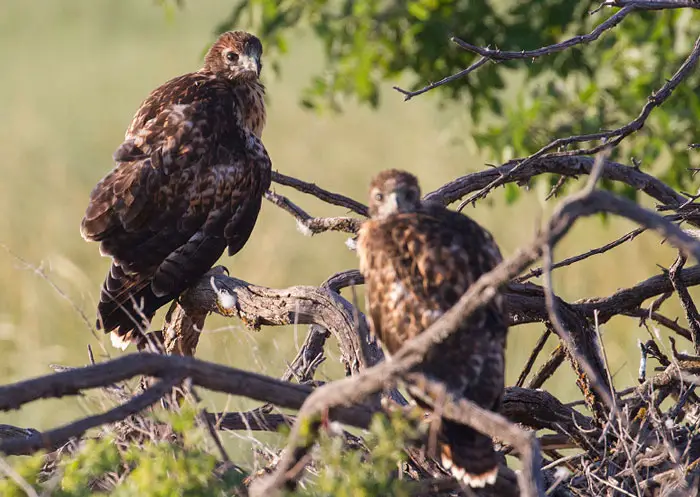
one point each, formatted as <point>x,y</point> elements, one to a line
<point>74,73</point>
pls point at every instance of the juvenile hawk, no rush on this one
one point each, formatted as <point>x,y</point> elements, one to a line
<point>418,259</point>
<point>188,183</point>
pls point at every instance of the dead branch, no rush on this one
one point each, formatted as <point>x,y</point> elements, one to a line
<point>496,54</point>
<point>547,369</point>
<point>654,4</point>
<point>309,225</point>
<point>204,374</point>
<point>691,311</point>
<point>320,193</point>
<point>573,166</point>
<point>260,306</point>
<point>533,357</point>
<point>57,437</point>
<point>633,297</point>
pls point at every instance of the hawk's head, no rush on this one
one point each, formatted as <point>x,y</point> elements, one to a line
<point>393,191</point>
<point>236,55</point>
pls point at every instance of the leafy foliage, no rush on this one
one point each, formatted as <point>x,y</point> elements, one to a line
<point>154,468</point>
<point>516,106</point>
<point>162,467</point>
<point>347,473</point>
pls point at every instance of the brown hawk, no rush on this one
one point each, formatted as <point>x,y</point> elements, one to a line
<point>418,259</point>
<point>188,183</point>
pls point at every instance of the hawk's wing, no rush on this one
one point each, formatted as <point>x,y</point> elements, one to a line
<point>188,183</point>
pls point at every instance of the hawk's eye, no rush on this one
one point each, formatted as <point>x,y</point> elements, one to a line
<point>378,196</point>
<point>232,57</point>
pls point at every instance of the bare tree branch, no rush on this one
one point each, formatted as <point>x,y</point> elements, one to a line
<point>53,439</point>
<point>492,54</point>
<point>533,357</point>
<point>654,4</point>
<point>548,368</point>
<point>320,193</point>
<point>691,311</point>
<point>566,165</point>
<point>313,225</point>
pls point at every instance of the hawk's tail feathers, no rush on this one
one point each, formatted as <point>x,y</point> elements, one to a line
<point>469,455</point>
<point>127,304</point>
<point>121,342</point>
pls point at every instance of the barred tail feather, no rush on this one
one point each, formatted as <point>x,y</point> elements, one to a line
<point>127,304</point>
<point>468,455</point>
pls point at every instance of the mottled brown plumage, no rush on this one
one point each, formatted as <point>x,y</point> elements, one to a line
<point>187,184</point>
<point>418,259</point>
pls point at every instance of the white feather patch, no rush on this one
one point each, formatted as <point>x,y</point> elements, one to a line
<point>351,243</point>
<point>433,315</point>
<point>118,342</point>
<point>398,291</point>
<point>480,481</point>
<point>227,300</point>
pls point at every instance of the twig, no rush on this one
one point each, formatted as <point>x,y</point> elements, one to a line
<point>534,273</point>
<point>320,193</point>
<point>309,225</point>
<point>672,325</point>
<point>533,357</point>
<point>610,23</point>
<point>408,95</point>
<point>53,439</point>
<point>548,368</point>
<point>654,4</point>
<point>251,420</point>
<point>691,311</point>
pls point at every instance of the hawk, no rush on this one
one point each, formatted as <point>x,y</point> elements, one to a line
<point>418,259</point>
<point>187,184</point>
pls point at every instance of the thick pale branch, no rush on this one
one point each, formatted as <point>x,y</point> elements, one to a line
<point>258,306</point>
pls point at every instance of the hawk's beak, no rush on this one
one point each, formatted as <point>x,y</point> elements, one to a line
<point>403,204</point>
<point>251,64</point>
<point>392,202</point>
